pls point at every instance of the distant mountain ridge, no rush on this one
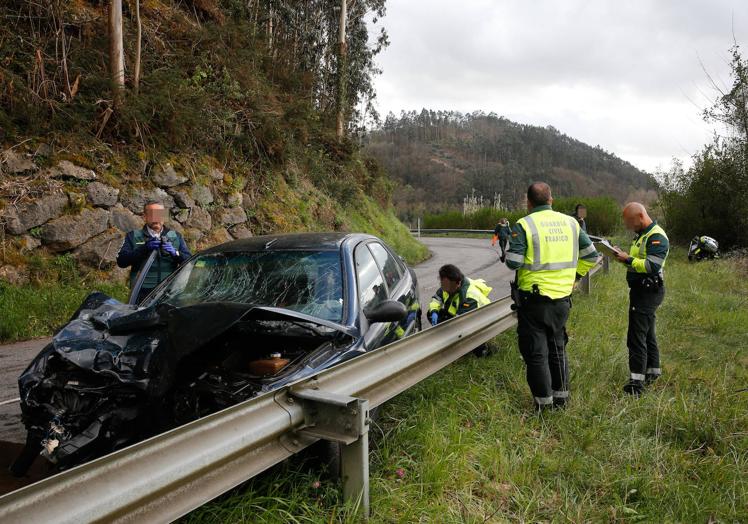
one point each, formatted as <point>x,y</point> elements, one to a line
<point>439,157</point>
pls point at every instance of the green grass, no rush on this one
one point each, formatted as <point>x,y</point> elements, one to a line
<point>368,217</point>
<point>471,449</point>
<point>36,311</point>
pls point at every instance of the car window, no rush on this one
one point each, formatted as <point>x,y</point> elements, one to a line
<point>387,264</point>
<point>371,285</point>
<point>305,281</point>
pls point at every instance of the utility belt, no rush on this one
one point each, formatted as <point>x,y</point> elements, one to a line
<point>521,297</point>
<point>651,284</point>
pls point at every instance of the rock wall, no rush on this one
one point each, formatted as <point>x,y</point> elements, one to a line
<point>60,207</point>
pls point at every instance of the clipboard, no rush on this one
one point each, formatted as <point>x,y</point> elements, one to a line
<point>604,247</point>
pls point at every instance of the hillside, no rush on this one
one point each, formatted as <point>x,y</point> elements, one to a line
<point>232,125</point>
<point>439,157</point>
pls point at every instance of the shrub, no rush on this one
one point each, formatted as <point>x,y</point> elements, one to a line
<point>603,216</point>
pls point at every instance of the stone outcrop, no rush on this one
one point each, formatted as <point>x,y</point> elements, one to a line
<point>102,195</point>
<point>164,175</point>
<point>135,199</point>
<point>19,220</point>
<point>15,163</point>
<point>182,198</point>
<point>232,215</point>
<point>199,219</point>
<point>202,195</point>
<point>66,169</point>
<point>124,219</point>
<point>67,232</point>
<point>101,251</point>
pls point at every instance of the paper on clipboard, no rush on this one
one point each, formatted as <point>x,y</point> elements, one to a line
<point>604,247</point>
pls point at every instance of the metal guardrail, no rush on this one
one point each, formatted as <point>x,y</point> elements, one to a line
<point>585,283</point>
<point>165,477</point>
<point>169,475</point>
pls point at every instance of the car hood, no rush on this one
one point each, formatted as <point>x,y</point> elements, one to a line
<point>123,342</point>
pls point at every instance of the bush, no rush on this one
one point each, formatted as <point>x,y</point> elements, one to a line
<point>603,216</point>
<point>708,199</point>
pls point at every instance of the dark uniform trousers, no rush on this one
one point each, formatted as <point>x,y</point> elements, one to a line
<point>644,355</point>
<point>542,343</point>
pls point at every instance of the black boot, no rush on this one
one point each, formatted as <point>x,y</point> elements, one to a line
<point>634,387</point>
<point>650,379</point>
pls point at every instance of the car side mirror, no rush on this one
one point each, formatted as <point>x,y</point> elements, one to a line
<point>386,311</point>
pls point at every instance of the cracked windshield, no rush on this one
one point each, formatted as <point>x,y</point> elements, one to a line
<point>304,281</point>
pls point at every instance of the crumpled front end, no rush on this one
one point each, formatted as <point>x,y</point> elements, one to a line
<point>80,395</point>
<point>116,374</point>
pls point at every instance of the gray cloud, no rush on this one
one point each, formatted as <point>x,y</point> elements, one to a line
<point>626,76</point>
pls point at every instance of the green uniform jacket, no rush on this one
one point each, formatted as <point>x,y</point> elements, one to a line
<point>471,295</point>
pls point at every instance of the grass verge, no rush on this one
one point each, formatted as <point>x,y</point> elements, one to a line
<point>465,446</point>
<point>39,308</point>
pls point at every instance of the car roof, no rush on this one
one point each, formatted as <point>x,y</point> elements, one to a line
<point>331,241</point>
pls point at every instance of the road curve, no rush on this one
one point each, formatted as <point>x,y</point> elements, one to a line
<point>475,257</point>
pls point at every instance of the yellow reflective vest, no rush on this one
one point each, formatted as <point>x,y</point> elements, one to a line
<point>642,262</point>
<point>472,295</point>
<point>552,254</point>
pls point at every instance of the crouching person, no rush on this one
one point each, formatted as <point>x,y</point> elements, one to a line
<point>457,295</point>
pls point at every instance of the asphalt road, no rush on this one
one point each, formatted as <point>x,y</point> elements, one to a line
<point>475,257</point>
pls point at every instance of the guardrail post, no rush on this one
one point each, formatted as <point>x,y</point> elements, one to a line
<point>354,466</point>
<point>586,284</point>
<point>344,419</point>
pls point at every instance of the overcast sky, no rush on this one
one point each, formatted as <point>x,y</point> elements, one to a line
<point>626,75</point>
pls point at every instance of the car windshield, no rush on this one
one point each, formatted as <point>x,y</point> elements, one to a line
<point>305,281</point>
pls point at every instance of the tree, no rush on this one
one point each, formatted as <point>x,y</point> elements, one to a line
<point>342,67</point>
<point>116,51</point>
<point>711,198</point>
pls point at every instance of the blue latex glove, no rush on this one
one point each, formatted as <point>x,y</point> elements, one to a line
<point>169,248</point>
<point>153,244</point>
<point>434,317</point>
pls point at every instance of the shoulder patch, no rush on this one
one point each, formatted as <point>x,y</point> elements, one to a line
<point>656,242</point>
<point>514,234</point>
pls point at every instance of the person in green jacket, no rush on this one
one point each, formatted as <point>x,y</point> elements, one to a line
<point>457,295</point>
<point>170,247</point>
<point>550,252</point>
<point>501,233</point>
<point>644,263</point>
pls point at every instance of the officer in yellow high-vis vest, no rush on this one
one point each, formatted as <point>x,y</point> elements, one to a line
<point>644,262</point>
<point>550,252</point>
<point>456,295</point>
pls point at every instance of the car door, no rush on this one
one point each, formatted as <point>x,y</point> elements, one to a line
<point>371,291</point>
<point>401,288</point>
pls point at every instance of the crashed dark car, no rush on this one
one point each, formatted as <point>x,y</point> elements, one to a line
<point>234,321</point>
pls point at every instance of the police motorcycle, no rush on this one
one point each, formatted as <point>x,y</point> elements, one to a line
<point>703,248</point>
